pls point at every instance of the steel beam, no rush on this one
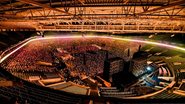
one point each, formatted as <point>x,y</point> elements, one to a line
<point>59,4</point>
<point>81,1</point>
<point>43,6</point>
<point>126,1</point>
<point>164,7</point>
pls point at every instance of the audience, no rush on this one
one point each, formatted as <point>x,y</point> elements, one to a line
<point>24,61</point>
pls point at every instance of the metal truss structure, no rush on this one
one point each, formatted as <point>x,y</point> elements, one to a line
<point>115,16</point>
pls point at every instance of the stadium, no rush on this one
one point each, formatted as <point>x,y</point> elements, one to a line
<point>92,51</point>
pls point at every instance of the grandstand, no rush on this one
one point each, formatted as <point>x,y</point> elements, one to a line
<point>159,76</point>
<point>91,51</point>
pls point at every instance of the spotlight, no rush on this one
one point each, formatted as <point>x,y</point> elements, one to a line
<point>149,68</point>
<point>40,33</point>
<point>172,35</point>
<point>151,36</point>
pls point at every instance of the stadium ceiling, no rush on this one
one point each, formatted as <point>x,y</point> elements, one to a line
<point>115,16</point>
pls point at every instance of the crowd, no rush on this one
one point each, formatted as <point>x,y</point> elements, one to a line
<point>25,59</point>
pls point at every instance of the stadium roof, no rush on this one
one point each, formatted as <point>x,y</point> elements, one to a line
<point>115,16</point>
